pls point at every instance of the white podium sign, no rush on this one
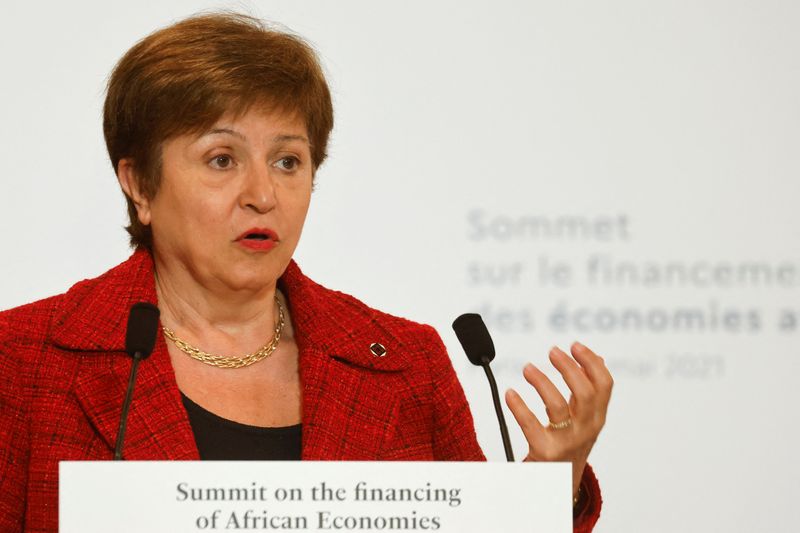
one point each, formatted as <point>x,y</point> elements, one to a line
<point>191,496</point>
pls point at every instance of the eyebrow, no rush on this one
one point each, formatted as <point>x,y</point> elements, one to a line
<point>229,131</point>
<point>284,138</point>
<point>277,138</point>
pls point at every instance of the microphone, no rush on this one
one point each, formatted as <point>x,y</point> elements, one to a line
<point>478,345</point>
<point>140,339</point>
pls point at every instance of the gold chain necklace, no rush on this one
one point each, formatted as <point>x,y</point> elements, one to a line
<point>230,362</point>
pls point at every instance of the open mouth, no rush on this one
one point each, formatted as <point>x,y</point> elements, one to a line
<point>255,235</point>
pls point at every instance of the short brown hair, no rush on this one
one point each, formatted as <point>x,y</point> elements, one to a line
<point>184,77</point>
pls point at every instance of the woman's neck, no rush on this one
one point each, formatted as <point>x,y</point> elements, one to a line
<point>220,321</point>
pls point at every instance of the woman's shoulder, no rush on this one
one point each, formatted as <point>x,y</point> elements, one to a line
<point>405,329</point>
<point>331,317</point>
<point>29,322</point>
<point>88,299</point>
<point>24,336</point>
<point>341,308</point>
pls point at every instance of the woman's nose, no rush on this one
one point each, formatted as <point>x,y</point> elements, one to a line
<point>258,191</point>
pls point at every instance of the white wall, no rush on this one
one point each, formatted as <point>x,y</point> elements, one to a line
<point>672,127</point>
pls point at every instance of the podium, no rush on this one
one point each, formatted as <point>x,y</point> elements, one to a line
<point>191,496</point>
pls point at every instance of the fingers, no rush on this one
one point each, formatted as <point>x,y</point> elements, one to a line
<point>555,404</point>
<point>527,421</point>
<point>583,391</point>
<point>595,369</point>
<point>590,383</point>
<point>587,378</point>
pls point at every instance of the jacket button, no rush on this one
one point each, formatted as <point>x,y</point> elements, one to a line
<point>377,349</point>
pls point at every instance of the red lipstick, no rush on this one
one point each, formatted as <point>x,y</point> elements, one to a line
<point>258,239</point>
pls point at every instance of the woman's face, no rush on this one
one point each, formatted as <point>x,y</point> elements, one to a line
<point>232,200</point>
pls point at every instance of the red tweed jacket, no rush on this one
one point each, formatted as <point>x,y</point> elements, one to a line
<point>64,374</point>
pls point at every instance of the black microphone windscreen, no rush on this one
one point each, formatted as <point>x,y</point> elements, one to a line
<point>474,338</point>
<point>142,329</point>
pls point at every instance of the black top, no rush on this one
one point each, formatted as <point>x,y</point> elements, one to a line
<point>220,439</point>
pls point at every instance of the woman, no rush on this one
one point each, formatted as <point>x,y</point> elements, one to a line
<point>216,127</point>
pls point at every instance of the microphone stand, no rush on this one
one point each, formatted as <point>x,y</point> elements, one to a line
<point>498,408</point>
<point>126,406</point>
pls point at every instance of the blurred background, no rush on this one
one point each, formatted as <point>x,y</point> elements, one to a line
<point>622,173</point>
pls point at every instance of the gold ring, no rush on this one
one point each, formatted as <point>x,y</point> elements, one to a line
<point>561,425</point>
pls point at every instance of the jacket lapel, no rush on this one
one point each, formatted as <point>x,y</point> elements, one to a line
<point>93,321</point>
<point>348,411</point>
<point>158,426</point>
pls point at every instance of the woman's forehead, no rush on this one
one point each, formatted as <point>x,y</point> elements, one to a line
<point>246,124</point>
<point>279,124</point>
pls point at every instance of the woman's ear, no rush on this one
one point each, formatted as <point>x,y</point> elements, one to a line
<point>126,175</point>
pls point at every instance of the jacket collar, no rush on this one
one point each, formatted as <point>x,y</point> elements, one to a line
<point>338,324</point>
<point>333,332</point>
<point>94,315</point>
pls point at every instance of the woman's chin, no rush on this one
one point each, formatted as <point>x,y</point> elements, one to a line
<point>252,280</point>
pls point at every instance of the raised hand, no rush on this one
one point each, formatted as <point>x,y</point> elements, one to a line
<point>573,426</point>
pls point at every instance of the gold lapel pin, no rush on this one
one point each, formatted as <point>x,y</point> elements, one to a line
<point>377,349</point>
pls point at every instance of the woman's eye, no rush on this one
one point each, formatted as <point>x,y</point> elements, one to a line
<point>222,162</point>
<point>287,163</point>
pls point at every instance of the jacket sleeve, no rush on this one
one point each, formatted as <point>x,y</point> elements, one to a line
<point>455,440</point>
<point>14,434</point>
<point>587,509</point>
